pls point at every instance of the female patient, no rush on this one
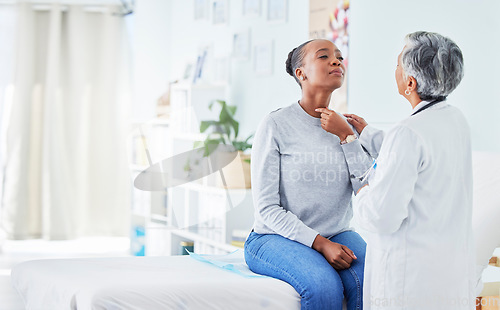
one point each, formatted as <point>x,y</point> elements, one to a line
<point>302,188</point>
<point>418,205</point>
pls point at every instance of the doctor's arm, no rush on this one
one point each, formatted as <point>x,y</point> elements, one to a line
<point>382,206</point>
<point>370,137</point>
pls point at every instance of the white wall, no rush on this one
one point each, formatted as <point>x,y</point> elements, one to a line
<point>167,37</point>
<point>151,23</point>
<point>377,37</point>
<point>171,32</point>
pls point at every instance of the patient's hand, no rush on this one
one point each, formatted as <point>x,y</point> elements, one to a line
<point>358,122</point>
<point>338,255</point>
<point>334,123</point>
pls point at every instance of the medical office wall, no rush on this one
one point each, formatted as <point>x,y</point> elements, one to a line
<point>377,33</point>
<point>171,35</point>
<point>244,45</point>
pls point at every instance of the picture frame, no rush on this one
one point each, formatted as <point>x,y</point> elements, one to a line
<point>252,8</point>
<point>200,10</point>
<point>264,58</point>
<point>241,45</point>
<point>220,12</point>
<point>277,11</point>
<point>188,71</point>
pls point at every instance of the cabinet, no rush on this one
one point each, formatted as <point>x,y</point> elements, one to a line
<point>196,212</point>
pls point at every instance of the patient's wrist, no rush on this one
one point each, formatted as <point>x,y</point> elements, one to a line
<point>319,243</point>
<point>348,139</point>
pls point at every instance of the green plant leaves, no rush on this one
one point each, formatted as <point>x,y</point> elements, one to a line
<point>225,130</point>
<point>204,125</point>
<point>241,145</point>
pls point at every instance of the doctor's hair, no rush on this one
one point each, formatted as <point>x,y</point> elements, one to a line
<point>294,60</point>
<point>436,63</point>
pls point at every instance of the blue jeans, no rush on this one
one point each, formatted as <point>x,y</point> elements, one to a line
<point>319,285</point>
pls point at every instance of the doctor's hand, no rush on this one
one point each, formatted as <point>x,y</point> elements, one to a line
<point>338,255</point>
<point>334,123</point>
<point>357,122</point>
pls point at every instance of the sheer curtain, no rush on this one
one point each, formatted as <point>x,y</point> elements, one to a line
<point>64,122</point>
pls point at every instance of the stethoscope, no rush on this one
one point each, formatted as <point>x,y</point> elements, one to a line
<point>427,106</point>
<point>364,176</point>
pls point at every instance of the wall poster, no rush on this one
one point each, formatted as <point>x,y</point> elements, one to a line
<point>329,19</point>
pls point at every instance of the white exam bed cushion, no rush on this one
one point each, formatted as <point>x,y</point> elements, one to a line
<point>171,282</point>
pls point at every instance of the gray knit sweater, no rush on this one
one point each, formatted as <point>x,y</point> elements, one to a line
<point>302,178</point>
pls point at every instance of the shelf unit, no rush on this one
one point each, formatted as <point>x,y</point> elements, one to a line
<point>198,211</point>
<point>146,205</point>
<point>206,216</point>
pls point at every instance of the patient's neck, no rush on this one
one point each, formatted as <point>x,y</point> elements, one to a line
<point>311,101</point>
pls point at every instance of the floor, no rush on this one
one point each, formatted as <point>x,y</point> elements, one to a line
<point>14,252</point>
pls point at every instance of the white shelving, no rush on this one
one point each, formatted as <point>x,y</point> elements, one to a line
<point>195,211</point>
<point>146,205</point>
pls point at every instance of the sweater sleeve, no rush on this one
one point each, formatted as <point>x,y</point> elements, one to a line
<point>265,174</point>
<point>358,162</point>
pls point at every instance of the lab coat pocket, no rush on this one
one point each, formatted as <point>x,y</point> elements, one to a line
<point>378,281</point>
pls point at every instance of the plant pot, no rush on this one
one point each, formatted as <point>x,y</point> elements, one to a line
<point>236,173</point>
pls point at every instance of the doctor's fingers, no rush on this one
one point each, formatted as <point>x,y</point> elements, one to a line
<point>359,126</point>
<point>354,116</point>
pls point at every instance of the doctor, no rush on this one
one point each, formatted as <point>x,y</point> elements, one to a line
<point>418,204</point>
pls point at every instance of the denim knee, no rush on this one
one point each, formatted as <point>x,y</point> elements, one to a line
<point>322,291</point>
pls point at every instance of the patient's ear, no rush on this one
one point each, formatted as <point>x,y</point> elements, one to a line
<point>299,74</point>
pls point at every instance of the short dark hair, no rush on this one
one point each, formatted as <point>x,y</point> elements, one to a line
<point>294,60</point>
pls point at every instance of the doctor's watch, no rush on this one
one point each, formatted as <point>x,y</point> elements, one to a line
<point>348,139</point>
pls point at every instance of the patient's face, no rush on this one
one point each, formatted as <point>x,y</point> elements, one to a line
<point>323,65</point>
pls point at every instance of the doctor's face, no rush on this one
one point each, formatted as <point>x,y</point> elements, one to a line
<point>400,81</point>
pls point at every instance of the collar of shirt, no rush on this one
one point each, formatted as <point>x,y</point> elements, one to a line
<point>304,116</point>
<point>422,104</point>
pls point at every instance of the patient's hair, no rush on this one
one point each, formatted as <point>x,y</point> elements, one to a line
<point>294,61</point>
<point>435,62</point>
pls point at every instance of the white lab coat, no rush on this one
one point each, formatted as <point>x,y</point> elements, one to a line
<point>417,211</point>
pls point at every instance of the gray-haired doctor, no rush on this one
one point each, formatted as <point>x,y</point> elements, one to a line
<point>418,204</point>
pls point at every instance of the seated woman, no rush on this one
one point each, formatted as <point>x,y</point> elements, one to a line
<point>418,205</point>
<point>302,184</point>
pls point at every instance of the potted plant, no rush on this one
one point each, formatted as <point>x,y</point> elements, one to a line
<point>224,136</point>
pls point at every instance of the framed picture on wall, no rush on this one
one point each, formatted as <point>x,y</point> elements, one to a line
<point>252,8</point>
<point>200,9</point>
<point>241,45</point>
<point>220,12</point>
<point>277,10</point>
<point>263,58</point>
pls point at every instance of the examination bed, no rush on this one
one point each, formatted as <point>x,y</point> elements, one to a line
<point>147,283</point>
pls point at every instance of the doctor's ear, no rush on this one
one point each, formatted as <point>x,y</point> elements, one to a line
<point>411,84</point>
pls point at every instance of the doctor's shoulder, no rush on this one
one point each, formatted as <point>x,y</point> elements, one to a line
<point>404,131</point>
